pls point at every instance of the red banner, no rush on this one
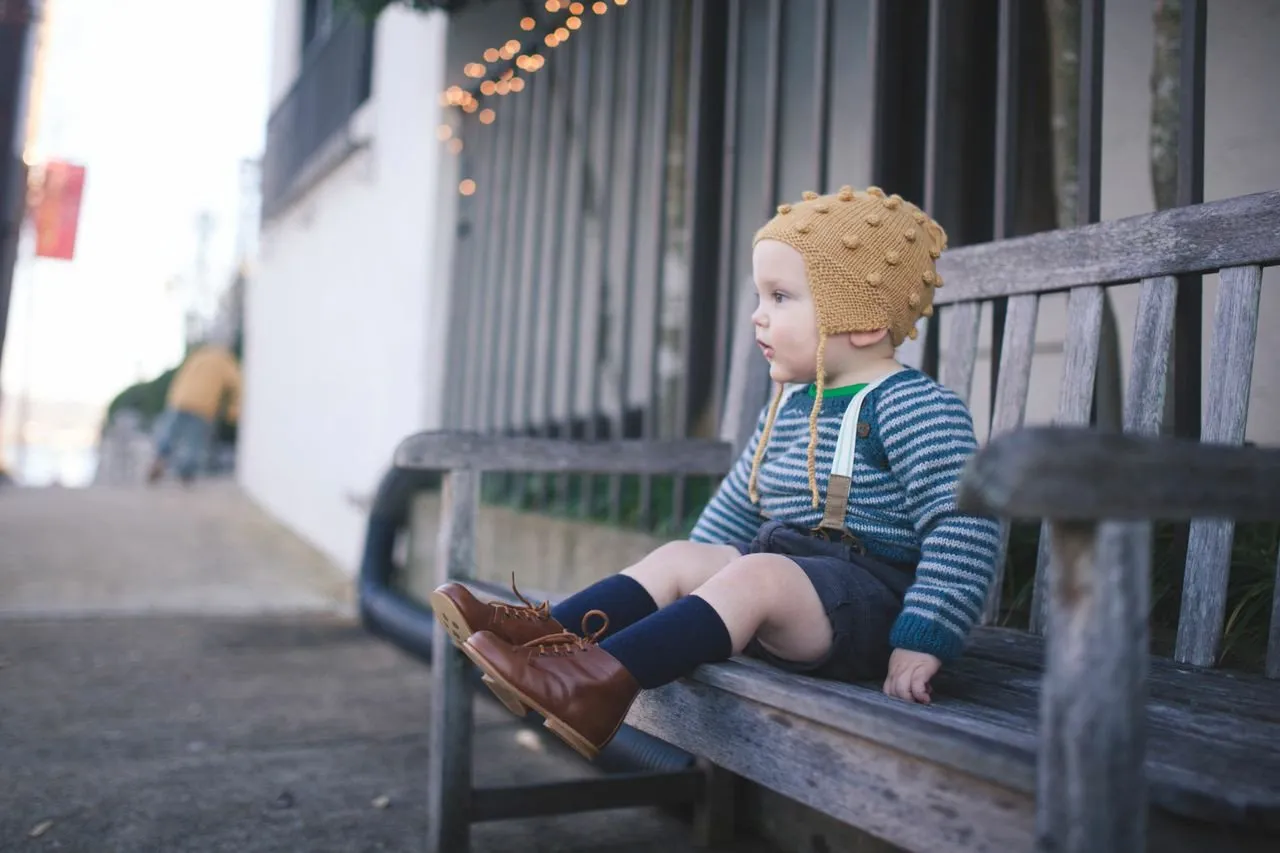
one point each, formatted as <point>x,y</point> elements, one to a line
<point>55,209</point>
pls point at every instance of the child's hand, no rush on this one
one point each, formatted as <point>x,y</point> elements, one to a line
<point>909,674</point>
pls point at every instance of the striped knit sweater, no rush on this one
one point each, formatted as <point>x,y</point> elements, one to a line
<point>902,503</point>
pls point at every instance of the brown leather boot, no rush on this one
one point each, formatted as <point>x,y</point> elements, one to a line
<point>582,690</point>
<point>462,614</point>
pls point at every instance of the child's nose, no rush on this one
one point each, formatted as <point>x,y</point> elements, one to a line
<point>758,316</point>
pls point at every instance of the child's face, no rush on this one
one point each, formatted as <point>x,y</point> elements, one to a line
<point>785,320</point>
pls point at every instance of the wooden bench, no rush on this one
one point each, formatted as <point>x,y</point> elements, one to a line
<point>1070,739</point>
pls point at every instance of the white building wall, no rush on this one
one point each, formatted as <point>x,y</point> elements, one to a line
<point>341,349</point>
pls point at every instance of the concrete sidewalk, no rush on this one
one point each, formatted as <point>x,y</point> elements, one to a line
<point>178,673</point>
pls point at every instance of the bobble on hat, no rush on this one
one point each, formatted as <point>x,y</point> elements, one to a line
<point>892,258</point>
<point>851,241</point>
<point>846,193</point>
<point>909,235</point>
<point>808,195</point>
<point>784,209</point>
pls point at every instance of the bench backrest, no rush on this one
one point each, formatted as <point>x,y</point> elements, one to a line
<point>1236,237</point>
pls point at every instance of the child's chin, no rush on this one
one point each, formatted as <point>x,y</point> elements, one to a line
<point>780,374</point>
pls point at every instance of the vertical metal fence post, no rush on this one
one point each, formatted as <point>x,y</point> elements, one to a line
<point>661,127</point>
<point>1189,305</point>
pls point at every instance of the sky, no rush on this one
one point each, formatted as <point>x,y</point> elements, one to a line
<point>160,100</point>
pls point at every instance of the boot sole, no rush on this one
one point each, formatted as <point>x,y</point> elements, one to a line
<point>456,626</point>
<point>558,727</point>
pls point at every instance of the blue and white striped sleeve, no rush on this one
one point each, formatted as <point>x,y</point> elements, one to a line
<point>928,436</point>
<point>730,516</point>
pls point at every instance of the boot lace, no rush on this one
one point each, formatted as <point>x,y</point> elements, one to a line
<point>569,643</point>
<point>529,610</point>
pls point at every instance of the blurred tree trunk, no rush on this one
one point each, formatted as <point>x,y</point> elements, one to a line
<point>1064,42</point>
<point>1166,86</point>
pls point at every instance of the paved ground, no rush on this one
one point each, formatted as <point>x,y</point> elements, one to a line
<point>177,673</point>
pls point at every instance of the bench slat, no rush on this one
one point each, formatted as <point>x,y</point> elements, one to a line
<point>1075,401</point>
<point>1226,408</point>
<point>963,322</point>
<point>986,716</point>
<point>449,756</point>
<point>1077,473</point>
<point>1215,695</point>
<point>1205,759</point>
<point>1011,404</point>
<point>1199,238</point>
<point>867,781</point>
<point>1152,340</point>
<point>443,451</point>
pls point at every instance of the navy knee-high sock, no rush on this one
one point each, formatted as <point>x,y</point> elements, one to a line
<point>672,642</point>
<point>620,597</point>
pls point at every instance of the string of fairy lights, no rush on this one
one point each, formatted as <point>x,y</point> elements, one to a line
<point>563,21</point>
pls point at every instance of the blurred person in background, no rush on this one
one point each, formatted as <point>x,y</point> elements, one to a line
<point>208,379</point>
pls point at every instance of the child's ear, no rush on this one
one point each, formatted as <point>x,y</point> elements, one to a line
<point>867,339</point>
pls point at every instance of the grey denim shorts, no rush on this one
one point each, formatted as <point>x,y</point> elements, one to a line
<point>862,597</point>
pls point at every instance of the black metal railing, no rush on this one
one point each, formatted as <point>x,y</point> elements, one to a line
<point>335,79</point>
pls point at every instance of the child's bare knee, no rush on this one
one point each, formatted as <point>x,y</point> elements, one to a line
<point>677,568</point>
<point>755,571</point>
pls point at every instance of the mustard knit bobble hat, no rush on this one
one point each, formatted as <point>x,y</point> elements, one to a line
<point>869,259</point>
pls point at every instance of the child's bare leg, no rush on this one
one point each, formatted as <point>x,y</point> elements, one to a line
<point>769,597</point>
<point>678,568</point>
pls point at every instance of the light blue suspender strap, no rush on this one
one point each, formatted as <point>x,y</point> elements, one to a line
<point>837,507</point>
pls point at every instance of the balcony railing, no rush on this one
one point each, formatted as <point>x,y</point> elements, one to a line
<point>313,117</point>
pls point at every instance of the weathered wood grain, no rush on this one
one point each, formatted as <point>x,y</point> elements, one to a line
<point>1198,238</point>
<point>1074,473</point>
<point>449,758</point>
<point>1149,369</point>
<point>909,801</point>
<point>444,451</point>
<point>1238,696</point>
<point>1091,791</point>
<point>1075,402</point>
<point>1010,406</point>
<point>963,321</point>
<point>1226,408</point>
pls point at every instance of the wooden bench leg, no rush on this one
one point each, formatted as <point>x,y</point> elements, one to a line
<point>714,816</point>
<point>449,762</point>
<point>1091,792</point>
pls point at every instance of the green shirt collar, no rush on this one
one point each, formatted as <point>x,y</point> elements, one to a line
<point>843,391</point>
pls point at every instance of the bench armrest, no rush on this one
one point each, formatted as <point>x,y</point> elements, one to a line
<point>1082,474</point>
<point>451,451</point>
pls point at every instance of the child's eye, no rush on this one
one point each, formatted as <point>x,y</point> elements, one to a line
<point>779,297</point>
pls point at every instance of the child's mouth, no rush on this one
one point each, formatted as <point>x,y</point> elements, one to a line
<point>766,349</point>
